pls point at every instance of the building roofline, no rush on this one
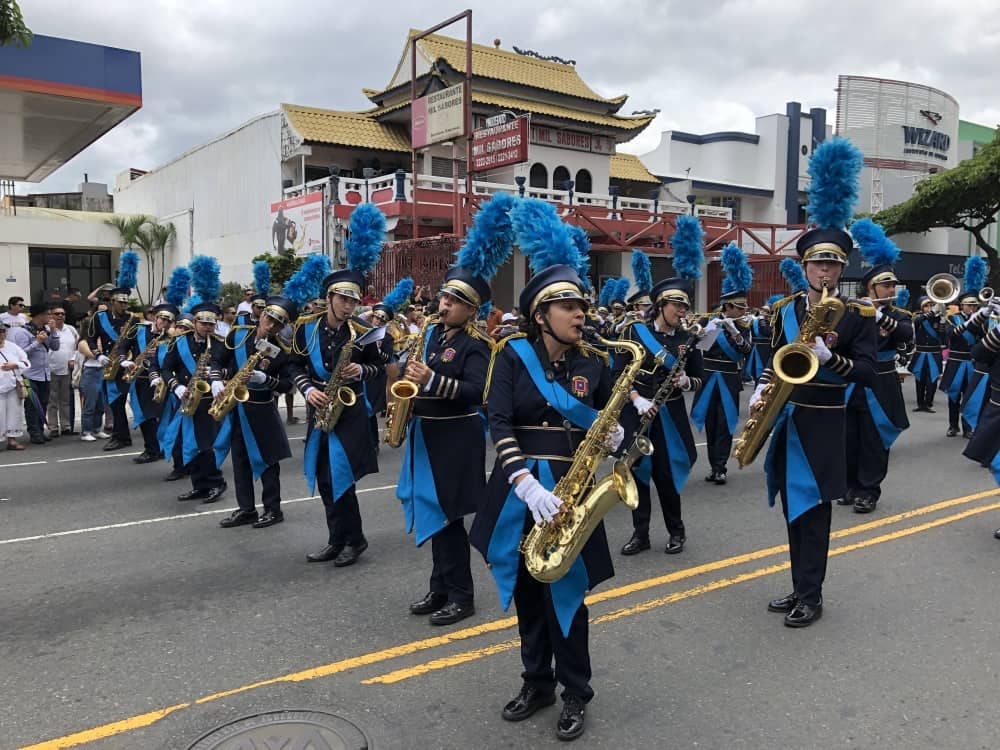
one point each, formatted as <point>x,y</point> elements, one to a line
<point>723,136</point>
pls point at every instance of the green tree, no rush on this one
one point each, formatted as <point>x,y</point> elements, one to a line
<point>12,28</point>
<point>130,230</point>
<point>159,236</point>
<point>282,267</point>
<point>966,197</point>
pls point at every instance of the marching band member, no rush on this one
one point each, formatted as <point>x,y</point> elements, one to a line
<point>806,459</point>
<point>876,412</point>
<point>959,370</point>
<point>760,341</point>
<point>336,460</point>
<point>926,365</point>
<point>145,410</point>
<point>104,333</point>
<point>717,404</point>
<point>543,394</point>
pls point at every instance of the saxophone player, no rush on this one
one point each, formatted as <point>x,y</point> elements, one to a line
<point>104,333</point>
<point>145,410</point>
<point>185,365</point>
<point>335,460</point>
<point>253,430</point>
<point>674,451</point>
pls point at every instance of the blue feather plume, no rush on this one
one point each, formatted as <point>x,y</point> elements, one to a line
<point>582,242</point>
<point>399,295</point>
<point>834,168</point>
<point>794,275</point>
<point>902,297</point>
<point>484,310</point>
<point>178,286</point>
<point>195,299</point>
<point>687,241</point>
<point>604,299</point>
<point>542,235</point>
<point>875,247</point>
<point>205,277</point>
<point>490,241</point>
<point>621,289</point>
<point>774,298</point>
<point>975,274</point>
<point>128,270</point>
<point>739,274</point>
<point>262,277</point>
<point>642,270</point>
<point>364,246</point>
<point>307,283</point>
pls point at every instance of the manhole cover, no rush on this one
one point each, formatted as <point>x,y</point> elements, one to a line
<point>288,730</point>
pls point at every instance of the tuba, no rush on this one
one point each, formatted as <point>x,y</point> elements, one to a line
<point>794,364</point>
<point>551,548</point>
<point>400,408</point>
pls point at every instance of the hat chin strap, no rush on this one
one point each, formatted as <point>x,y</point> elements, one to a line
<point>547,329</point>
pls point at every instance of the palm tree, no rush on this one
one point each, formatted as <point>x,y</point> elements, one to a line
<point>159,236</point>
<point>130,229</point>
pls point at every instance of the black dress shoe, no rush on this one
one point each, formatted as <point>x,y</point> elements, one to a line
<point>452,612</point>
<point>996,534</point>
<point>803,615</point>
<point>113,445</point>
<point>146,458</point>
<point>952,432</point>
<point>720,478</point>
<point>635,545</point>
<point>785,604</point>
<point>193,495</point>
<point>571,720</point>
<point>865,503</point>
<point>968,434</point>
<point>432,602</point>
<point>215,493</point>
<point>349,555</point>
<point>329,552</point>
<point>269,519</point>
<point>528,701</point>
<point>675,544</point>
<point>238,518</point>
<point>710,477</point>
<point>174,475</point>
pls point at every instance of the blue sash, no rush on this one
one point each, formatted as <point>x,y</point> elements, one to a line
<point>974,402</point>
<point>801,488</point>
<point>223,441</point>
<point>925,361</point>
<point>699,412</point>
<point>503,555</point>
<point>677,455</point>
<point>723,343</point>
<point>960,378</point>
<point>887,431</point>
<point>138,416</point>
<point>416,489</point>
<point>789,323</point>
<point>183,427</point>
<point>109,330</point>
<point>929,329</point>
<point>658,350</point>
<point>562,401</point>
<point>187,358</point>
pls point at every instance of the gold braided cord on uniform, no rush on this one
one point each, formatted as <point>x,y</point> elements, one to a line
<point>493,358</point>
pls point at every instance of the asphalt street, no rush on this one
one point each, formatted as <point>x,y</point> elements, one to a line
<point>132,620</point>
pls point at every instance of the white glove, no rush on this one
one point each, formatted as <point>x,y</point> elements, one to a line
<point>542,503</point>
<point>102,360</point>
<point>642,405</point>
<point>757,394</point>
<point>127,364</point>
<point>879,314</point>
<point>217,388</point>
<point>711,325</point>
<point>730,325</point>
<point>155,382</point>
<point>994,306</point>
<point>683,382</point>
<point>615,438</point>
<point>180,390</point>
<point>822,351</point>
<point>257,377</point>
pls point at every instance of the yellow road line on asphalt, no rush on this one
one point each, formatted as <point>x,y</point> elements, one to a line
<point>420,669</point>
<point>404,649</point>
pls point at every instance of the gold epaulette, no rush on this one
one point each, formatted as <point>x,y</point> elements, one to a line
<point>359,326</point>
<point>503,342</point>
<point>475,333</point>
<point>903,310</point>
<point>588,349</point>
<point>283,343</point>
<point>862,309</point>
<point>240,326</point>
<point>784,301</point>
<point>303,319</point>
<point>494,353</point>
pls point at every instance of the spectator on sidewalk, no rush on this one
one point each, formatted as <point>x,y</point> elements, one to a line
<point>13,364</point>
<point>37,340</point>
<point>14,317</point>
<point>62,407</point>
<point>92,392</point>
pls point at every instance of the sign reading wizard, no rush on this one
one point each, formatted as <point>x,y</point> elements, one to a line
<point>926,142</point>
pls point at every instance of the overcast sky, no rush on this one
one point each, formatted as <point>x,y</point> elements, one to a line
<point>210,65</point>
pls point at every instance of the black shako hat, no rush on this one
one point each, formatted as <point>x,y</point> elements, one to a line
<point>281,309</point>
<point>825,244</point>
<point>465,286</point>
<point>883,273</point>
<point>674,289</point>
<point>206,312</point>
<point>345,282</point>
<point>553,283</point>
<point>166,310</point>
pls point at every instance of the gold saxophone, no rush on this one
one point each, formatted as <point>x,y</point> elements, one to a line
<point>236,391</point>
<point>793,364</point>
<point>338,395</point>
<point>114,363</point>
<point>141,361</point>
<point>197,386</point>
<point>551,548</point>
<point>399,410</point>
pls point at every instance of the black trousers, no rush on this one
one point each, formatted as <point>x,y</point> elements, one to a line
<point>452,571</point>
<point>542,639</point>
<point>808,548</point>
<point>270,480</point>
<point>150,443</point>
<point>867,458</point>
<point>120,430</point>
<point>34,419</point>
<point>204,473</point>
<point>925,388</point>
<point>670,500</point>
<point>343,518</point>
<point>720,439</point>
<point>955,411</point>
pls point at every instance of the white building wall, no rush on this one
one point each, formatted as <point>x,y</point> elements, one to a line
<point>218,196</point>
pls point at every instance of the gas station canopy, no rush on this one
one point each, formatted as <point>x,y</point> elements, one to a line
<point>58,96</point>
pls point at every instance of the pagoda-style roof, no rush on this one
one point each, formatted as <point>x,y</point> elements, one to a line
<point>356,129</point>
<point>629,167</point>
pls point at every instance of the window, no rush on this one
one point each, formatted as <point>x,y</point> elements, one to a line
<point>442,167</point>
<point>538,177</point>
<point>723,201</point>
<point>584,182</point>
<point>560,176</point>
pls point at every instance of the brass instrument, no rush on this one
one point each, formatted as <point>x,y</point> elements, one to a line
<point>942,289</point>
<point>794,364</point>
<point>399,410</point>
<point>160,393</point>
<point>338,395</point>
<point>141,361</point>
<point>197,386</point>
<point>114,363</point>
<point>551,548</point>
<point>236,390</point>
<point>985,295</point>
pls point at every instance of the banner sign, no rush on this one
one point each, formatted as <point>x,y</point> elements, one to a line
<point>297,224</point>
<point>500,145</point>
<point>438,117</point>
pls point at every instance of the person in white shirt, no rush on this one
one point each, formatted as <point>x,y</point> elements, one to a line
<point>247,304</point>
<point>13,364</point>
<point>62,411</point>
<point>14,317</point>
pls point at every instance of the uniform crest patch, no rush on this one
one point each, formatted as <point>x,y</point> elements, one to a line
<point>448,355</point>
<point>580,385</point>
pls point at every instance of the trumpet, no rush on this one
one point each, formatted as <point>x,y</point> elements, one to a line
<point>986,294</point>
